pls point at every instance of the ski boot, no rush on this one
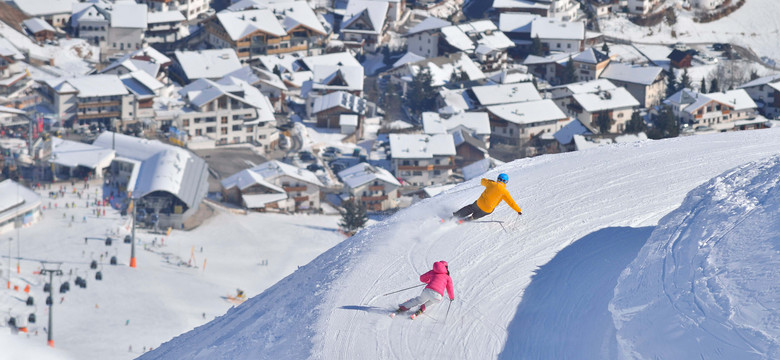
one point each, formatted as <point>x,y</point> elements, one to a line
<point>400,310</point>
<point>418,312</point>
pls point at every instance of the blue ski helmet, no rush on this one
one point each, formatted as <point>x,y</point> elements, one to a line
<point>504,178</point>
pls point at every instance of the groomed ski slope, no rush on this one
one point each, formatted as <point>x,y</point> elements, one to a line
<point>538,287</point>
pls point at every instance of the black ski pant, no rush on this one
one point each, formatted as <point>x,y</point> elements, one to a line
<point>470,209</point>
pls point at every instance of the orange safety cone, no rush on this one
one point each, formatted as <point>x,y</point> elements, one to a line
<point>51,343</point>
<point>27,288</point>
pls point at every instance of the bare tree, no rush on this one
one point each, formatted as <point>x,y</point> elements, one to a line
<point>730,74</point>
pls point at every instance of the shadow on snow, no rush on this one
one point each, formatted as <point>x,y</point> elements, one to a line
<point>564,314</point>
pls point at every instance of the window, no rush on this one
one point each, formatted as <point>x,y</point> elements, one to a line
<point>185,122</point>
<point>223,120</point>
<point>417,173</point>
<point>223,131</point>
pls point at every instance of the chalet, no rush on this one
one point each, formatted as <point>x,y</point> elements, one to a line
<point>90,99</point>
<point>9,54</point>
<point>165,29</point>
<point>229,111</point>
<point>373,187</point>
<point>39,29</point>
<point>144,88</point>
<point>441,68</point>
<point>330,78</point>
<point>680,59</point>
<point>765,92</point>
<point>328,109</point>
<point>266,29</point>
<point>423,38</point>
<point>295,71</point>
<point>603,8</point>
<point>267,82</point>
<point>422,159</point>
<point>274,186</point>
<point>516,124</point>
<point>589,64</point>
<point>589,100</point>
<point>481,39</point>
<point>477,124</point>
<point>365,24</point>
<point>717,110</point>
<point>189,8</point>
<point>549,68</point>
<point>647,84</point>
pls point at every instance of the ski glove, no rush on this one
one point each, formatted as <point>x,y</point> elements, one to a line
<point>519,213</point>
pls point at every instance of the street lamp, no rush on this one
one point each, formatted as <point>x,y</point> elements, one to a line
<point>132,243</point>
<point>9,262</point>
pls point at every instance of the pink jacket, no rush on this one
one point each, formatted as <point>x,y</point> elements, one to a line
<point>439,279</point>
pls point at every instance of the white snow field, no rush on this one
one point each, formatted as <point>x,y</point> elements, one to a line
<point>543,286</point>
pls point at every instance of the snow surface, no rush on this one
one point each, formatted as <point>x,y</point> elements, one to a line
<point>541,286</point>
<point>754,25</point>
<point>175,287</point>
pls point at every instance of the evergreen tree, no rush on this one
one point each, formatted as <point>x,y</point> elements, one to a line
<point>753,75</point>
<point>458,75</point>
<point>714,85</point>
<point>569,72</point>
<point>665,124</point>
<point>604,122</point>
<point>685,81</point>
<point>353,217</point>
<point>421,96</point>
<point>536,46</point>
<point>636,124</point>
<point>671,82</point>
<point>605,49</point>
<point>703,88</point>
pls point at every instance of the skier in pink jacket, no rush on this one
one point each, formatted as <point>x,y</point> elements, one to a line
<point>438,280</point>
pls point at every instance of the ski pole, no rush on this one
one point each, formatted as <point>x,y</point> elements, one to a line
<point>448,311</point>
<point>411,287</point>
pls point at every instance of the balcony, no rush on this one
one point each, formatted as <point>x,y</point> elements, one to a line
<point>101,115</point>
<point>376,188</point>
<point>294,188</point>
<point>373,198</point>
<point>299,199</point>
<point>98,104</point>
<point>301,47</point>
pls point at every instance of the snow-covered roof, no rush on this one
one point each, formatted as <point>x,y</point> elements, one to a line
<point>430,23</point>
<point>90,86</point>
<point>550,28</point>
<point>519,4</point>
<point>421,146</point>
<point>340,99</point>
<point>589,86</point>
<point>74,153</point>
<point>511,76</point>
<point>516,22</point>
<point>434,190</point>
<point>7,49</point>
<point>340,59</point>
<point>288,13</point>
<point>239,24</point>
<point>35,25</point>
<point>210,64</point>
<point>45,7</point>
<point>16,199</point>
<point>157,17</point>
<point>128,14</point>
<point>476,122</point>
<point>591,56</point>
<point>566,134</point>
<point>255,75</point>
<point>335,77</point>
<point>364,173</point>
<point>442,67</point>
<point>141,83</point>
<point>374,11</point>
<point>761,81</point>
<point>645,75</point>
<point>202,91</point>
<point>618,98</point>
<point>246,178</point>
<point>163,167</point>
<point>468,36</point>
<point>270,170</point>
<point>505,93</point>
<point>476,169</point>
<point>260,200</point>
<point>409,57</point>
<point>456,99</point>
<point>557,58</point>
<point>138,59</point>
<point>528,112</point>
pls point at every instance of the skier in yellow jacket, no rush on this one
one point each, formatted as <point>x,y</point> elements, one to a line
<point>495,191</point>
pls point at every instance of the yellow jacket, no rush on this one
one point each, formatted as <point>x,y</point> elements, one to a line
<point>495,192</point>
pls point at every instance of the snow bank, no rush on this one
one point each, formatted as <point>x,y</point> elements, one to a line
<point>706,283</point>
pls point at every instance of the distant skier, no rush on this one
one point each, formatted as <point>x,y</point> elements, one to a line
<point>438,280</point>
<point>495,191</point>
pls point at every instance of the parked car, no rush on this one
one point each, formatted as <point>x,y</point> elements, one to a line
<point>314,167</point>
<point>337,166</point>
<point>333,149</point>
<point>306,156</point>
<point>329,155</point>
